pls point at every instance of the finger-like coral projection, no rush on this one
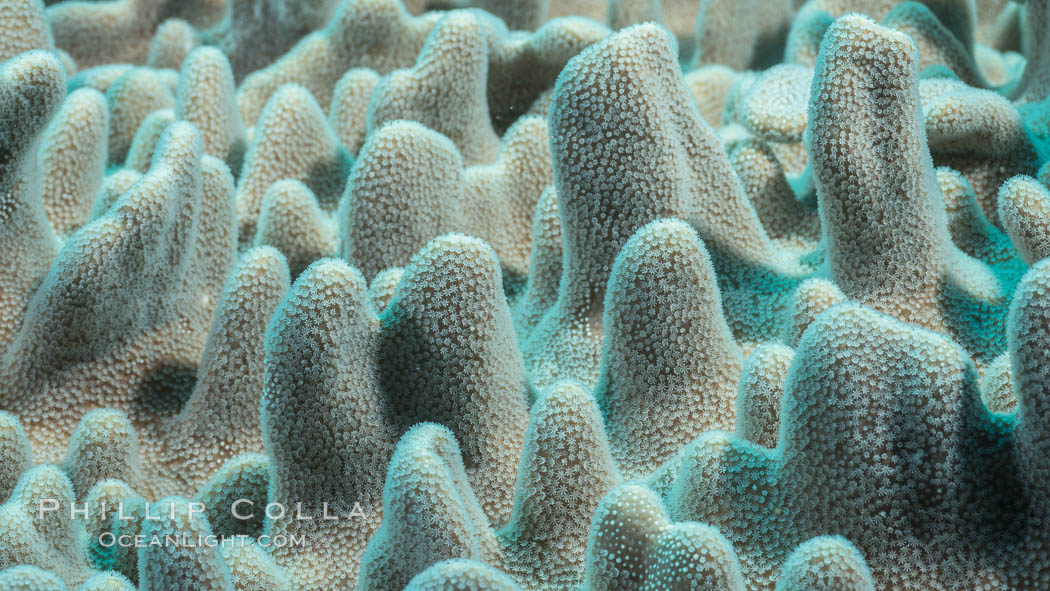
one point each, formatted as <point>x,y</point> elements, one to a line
<point>144,144</point>
<point>399,158</point>
<point>937,44</point>
<point>292,221</point>
<point>927,18</point>
<point>47,539</point>
<point>206,98</point>
<point>973,233</point>
<point>883,214</point>
<point>921,479</point>
<point>997,386</point>
<point>789,218</point>
<point>566,467</point>
<point>324,423</point>
<point>633,545</point>
<point>291,141</point>
<point>430,512</point>
<point>774,106</point>
<point>131,99</point>
<point>113,186</point>
<point>31,88</point>
<point>614,173</point>
<point>710,87</point>
<point>101,521</point>
<point>348,115</point>
<point>492,202</point>
<point>666,345</point>
<point>173,41</point>
<point>448,354</point>
<point>512,185</point>
<point>979,134</point>
<point>545,259</point>
<point>73,154</point>
<point>220,419</point>
<point>812,297</point>
<point>103,446</point>
<point>445,91</point>
<point>760,392</point>
<point>867,74</point>
<point>1024,210</point>
<point>244,480</point>
<point>383,287</point>
<point>1028,316</point>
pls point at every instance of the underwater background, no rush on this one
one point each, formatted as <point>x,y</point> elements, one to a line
<point>524,295</point>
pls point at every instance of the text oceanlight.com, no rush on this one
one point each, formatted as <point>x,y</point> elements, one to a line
<point>109,539</point>
<point>240,509</point>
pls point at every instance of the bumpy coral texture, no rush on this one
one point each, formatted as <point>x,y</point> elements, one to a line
<point>494,295</point>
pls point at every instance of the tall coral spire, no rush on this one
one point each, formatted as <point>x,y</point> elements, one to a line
<point>221,417</point>
<point>376,230</point>
<point>73,155</point>
<point>206,98</point>
<point>430,512</point>
<point>629,147</point>
<point>31,87</point>
<point>666,345</point>
<point>292,118</point>
<point>131,99</point>
<point>884,221</point>
<point>449,355</point>
<point>324,423</point>
<point>445,90</point>
<point>883,214</point>
<point>565,470</point>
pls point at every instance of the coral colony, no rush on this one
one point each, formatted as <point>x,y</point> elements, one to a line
<point>524,295</point>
